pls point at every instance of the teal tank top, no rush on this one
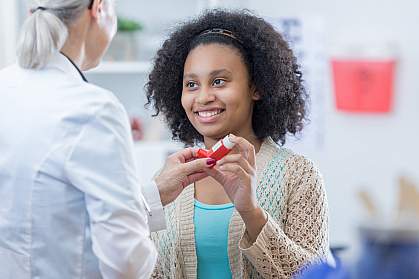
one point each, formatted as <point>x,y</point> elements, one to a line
<point>211,239</point>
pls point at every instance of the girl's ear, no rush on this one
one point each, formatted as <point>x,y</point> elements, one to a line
<point>255,93</point>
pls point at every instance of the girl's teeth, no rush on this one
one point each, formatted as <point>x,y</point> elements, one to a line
<point>208,113</point>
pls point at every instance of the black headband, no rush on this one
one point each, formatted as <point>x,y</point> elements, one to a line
<point>220,31</point>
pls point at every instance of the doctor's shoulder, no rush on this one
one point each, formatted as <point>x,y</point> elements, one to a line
<point>93,94</point>
<point>90,100</point>
<point>8,73</point>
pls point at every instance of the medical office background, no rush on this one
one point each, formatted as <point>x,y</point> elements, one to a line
<point>358,145</point>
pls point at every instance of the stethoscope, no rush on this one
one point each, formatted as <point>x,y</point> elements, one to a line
<point>77,68</point>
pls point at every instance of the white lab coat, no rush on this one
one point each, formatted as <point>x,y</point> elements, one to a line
<point>71,204</point>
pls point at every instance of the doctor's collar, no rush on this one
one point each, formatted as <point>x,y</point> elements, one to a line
<point>75,66</point>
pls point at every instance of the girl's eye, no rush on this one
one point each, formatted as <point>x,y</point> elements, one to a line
<point>191,84</point>
<point>218,82</point>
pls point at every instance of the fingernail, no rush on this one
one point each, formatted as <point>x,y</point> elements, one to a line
<point>211,162</point>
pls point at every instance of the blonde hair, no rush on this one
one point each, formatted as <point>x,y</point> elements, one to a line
<point>45,31</point>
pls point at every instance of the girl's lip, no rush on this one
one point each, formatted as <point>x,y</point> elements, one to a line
<point>208,109</point>
<point>208,119</point>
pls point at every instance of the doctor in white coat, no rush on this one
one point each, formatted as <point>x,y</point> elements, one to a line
<point>70,202</point>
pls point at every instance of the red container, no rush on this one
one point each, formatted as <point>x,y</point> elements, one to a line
<point>363,85</point>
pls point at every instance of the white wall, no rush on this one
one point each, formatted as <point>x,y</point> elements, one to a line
<point>359,150</point>
<point>8,25</point>
<point>365,150</point>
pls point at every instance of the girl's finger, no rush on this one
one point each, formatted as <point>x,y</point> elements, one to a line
<point>245,147</point>
<point>237,159</point>
<point>216,174</point>
<point>234,168</point>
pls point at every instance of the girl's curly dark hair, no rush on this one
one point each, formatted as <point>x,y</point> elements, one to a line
<point>272,67</point>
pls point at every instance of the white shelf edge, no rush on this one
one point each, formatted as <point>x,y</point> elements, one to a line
<point>157,143</point>
<point>108,67</point>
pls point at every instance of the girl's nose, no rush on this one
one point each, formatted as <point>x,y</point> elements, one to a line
<point>205,96</point>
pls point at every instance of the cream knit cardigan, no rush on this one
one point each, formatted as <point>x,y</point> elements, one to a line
<point>291,192</point>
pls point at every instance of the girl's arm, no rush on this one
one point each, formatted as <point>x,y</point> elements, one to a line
<point>282,248</point>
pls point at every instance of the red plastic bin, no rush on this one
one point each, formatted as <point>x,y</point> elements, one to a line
<point>363,85</point>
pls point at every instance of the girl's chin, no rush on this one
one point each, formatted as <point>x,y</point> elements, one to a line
<point>213,131</point>
<point>213,134</point>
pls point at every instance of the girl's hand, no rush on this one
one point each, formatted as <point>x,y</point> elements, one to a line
<point>236,172</point>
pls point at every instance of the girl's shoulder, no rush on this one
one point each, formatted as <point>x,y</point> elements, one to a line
<point>272,158</point>
<point>271,155</point>
<point>286,173</point>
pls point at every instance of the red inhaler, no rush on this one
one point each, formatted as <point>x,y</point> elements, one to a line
<point>202,153</point>
<point>218,151</point>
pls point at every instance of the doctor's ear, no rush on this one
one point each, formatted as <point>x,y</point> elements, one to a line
<point>96,8</point>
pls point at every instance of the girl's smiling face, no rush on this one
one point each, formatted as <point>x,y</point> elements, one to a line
<point>217,94</point>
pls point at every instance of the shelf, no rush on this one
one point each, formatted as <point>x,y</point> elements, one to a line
<point>122,68</point>
<point>157,144</point>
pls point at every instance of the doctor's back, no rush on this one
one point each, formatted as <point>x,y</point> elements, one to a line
<point>67,176</point>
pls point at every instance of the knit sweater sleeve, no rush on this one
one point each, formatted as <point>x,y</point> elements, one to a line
<point>157,274</point>
<point>288,243</point>
<point>165,245</point>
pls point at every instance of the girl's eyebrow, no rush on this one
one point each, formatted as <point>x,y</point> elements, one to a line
<point>189,76</point>
<point>220,72</point>
<point>212,74</point>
